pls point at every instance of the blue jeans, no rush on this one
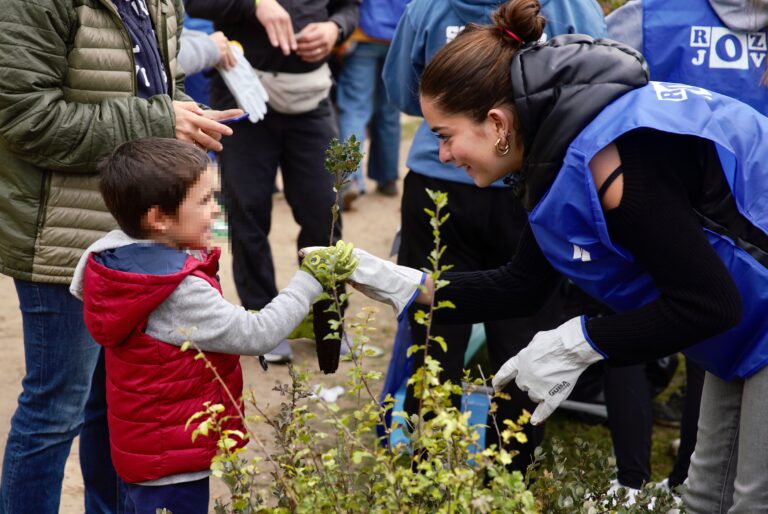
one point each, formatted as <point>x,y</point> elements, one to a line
<point>60,358</point>
<point>362,99</point>
<point>183,498</point>
<point>729,467</point>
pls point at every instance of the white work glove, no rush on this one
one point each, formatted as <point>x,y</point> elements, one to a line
<point>245,86</point>
<point>547,369</point>
<point>382,280</point>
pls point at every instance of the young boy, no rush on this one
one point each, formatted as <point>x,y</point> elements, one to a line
<point>142,286</point>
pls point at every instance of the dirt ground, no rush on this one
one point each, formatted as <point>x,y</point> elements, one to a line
<point>370,225</point>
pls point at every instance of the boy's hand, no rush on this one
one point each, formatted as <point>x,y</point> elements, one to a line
<point>330,265</point>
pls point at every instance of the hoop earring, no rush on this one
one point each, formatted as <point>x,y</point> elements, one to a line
<point>501,152</point>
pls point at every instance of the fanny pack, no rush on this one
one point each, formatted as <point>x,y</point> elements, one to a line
<point>296,93</point>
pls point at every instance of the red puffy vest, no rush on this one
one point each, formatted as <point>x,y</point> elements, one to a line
<point>153,387</point>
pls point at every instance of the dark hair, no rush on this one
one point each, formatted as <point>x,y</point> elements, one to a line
<point>470,75</point>
<point>149,172</point>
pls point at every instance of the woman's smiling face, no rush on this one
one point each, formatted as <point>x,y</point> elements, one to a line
<point>472,146</point>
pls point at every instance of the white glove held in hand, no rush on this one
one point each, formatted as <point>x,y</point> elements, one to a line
<point>245,86</point>
<point>549,366</point>
<point>382,280</point>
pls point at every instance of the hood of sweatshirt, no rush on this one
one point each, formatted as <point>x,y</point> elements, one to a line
<point>742,15</point>
<point>122,281</point>
<point>558,88</point>
<point>472,11</point>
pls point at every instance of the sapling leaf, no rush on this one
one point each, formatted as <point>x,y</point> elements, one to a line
<point>441,341</point>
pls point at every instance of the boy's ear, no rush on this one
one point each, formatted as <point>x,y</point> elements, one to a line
<point>154,221</point>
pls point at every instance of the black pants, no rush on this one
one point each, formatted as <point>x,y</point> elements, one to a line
<point>249,162</point>
<point>628,400</point>
<point>481,233</point>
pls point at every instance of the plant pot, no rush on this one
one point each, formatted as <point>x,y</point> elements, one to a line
<point>328,350</point>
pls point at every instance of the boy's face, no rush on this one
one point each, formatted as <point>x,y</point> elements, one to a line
<point>191,226</point>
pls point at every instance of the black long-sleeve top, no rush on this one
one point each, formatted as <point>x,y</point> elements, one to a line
<point>237,19</point>
<point>656,222</point>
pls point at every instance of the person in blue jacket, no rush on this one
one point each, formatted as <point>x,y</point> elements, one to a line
<point>719,45</point>
<point>650,196</point>
<point>472,242</point>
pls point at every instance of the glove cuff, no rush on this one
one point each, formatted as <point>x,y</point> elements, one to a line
<point>577,342</point>
<point>412,274</point>
<point>583,321</point>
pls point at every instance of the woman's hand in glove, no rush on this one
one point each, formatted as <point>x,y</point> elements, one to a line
<point>383,281</point>
<point>547,369</point>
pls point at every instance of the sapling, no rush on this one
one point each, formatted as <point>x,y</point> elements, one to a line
<point>341,161</point>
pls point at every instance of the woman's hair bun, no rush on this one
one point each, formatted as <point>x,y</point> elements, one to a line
<point>521,18</point>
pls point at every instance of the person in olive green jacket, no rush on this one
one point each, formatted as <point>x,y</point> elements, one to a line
<point>77,78</point>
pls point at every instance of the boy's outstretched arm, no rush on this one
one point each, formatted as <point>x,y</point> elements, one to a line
<point>195,311</point>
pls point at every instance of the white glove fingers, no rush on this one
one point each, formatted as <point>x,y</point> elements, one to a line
<point>542,412</point>
<point>506,374</point>
<point>534,396</point>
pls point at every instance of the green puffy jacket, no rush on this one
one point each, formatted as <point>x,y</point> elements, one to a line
<point>67,99</point>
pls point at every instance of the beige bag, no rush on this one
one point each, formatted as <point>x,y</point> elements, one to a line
<point>296,93</point>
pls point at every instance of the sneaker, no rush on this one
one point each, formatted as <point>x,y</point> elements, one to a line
<point>631,492</point>
<point>678,501</point>
<point>388,188</point>
<point>349,193</point>
<point>281,354</point>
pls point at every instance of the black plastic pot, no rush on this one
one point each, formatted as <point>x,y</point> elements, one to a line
<point>328,350</point>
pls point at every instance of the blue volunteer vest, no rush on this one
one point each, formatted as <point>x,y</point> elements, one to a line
<point>570,228</point>
<point>685,41</point>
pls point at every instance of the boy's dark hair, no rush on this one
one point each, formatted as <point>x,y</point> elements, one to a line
<point>149,172</point>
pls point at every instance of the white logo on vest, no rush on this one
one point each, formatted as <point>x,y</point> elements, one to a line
<point>721,48</point>
<point>580,254</point>
<point>678,92</point>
